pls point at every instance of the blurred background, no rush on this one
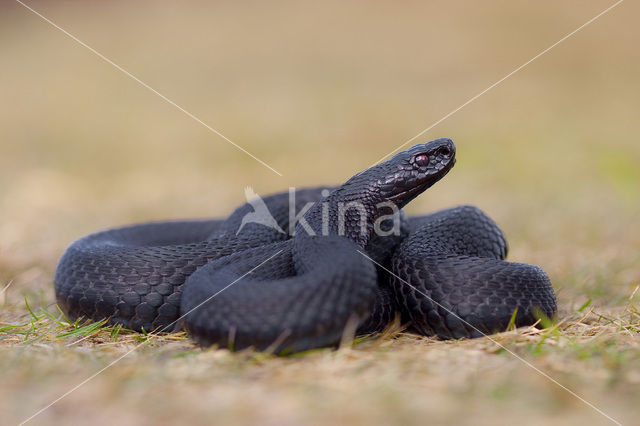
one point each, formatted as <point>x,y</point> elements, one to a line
<point>320,91</point>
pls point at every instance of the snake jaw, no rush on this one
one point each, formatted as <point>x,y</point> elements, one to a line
<point>409,194</point>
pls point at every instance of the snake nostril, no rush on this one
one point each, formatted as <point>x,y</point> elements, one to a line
<point>444,151</point>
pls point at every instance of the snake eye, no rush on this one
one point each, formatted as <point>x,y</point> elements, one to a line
<point>421,159</point>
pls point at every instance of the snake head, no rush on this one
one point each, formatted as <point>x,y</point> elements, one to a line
<point>373,196</point>
<point>410,172</point>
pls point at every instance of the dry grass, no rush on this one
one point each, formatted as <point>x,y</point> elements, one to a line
<point>384,379</point>
<point>320,92</point>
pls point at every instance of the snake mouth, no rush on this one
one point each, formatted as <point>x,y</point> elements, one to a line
<point>409,194</point>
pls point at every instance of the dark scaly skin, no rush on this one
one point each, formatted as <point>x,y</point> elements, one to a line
<point>451,280</point>
<point>304,297</point>
<point>134,275</point>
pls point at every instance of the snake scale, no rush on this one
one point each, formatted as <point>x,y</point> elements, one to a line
<point>353,260</point>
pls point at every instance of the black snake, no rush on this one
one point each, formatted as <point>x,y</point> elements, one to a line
<point>353,260</point>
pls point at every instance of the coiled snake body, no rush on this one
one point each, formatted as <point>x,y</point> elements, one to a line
<point>353,261</point>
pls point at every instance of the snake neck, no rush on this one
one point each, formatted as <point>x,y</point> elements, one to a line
<point>350,211</point>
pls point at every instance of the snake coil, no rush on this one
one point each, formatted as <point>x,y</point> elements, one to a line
<point>354,259</point>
